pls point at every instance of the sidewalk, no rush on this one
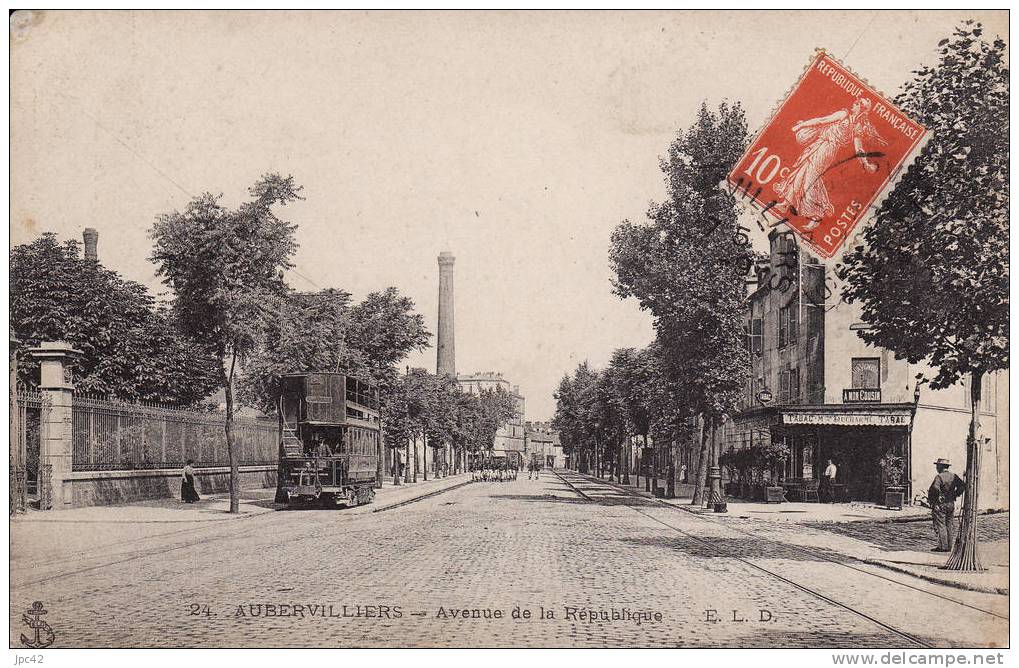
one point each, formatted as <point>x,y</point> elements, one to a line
<point>48,535</point>
<point>896,540</point>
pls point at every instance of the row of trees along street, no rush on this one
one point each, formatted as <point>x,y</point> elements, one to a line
<point>931,276</point>
<point>232,323</point>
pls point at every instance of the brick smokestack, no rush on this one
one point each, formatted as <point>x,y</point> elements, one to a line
<point>445,363</point>
<point>91,244</point>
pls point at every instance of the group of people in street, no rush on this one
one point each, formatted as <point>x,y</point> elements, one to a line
<point>497,471</point>
<point>502,470</point>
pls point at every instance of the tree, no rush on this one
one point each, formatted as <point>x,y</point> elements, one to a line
<point>466,433</point>
<point>396,424</point>
<point>497,408</point>
<point>419,390</point>
<point>303,332</point>
<point>443,424</point>
<point>132,348</point>
<point>635,377</point>
<point>224,266</point>
<point>932,275</point>
<point>572,417</point>
<point>687,266</point>
<point>608,419</point>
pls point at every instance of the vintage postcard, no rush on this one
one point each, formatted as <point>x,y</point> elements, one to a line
<point>510,329</point>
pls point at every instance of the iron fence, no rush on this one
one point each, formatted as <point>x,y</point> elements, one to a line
<point>24,469</point>
<point>113,435</point>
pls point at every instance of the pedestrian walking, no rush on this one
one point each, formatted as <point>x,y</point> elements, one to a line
<point>188,490</point>
<point>537,469</point>
<point>945,489</point>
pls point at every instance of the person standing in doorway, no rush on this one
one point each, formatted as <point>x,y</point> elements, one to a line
<point>945,489</point>
<point>828,481</point>
<point>188,490</point>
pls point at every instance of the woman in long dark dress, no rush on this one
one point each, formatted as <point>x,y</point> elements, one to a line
<point>188,492</point>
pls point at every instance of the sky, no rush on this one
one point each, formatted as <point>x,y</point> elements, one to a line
<point>517,141</point>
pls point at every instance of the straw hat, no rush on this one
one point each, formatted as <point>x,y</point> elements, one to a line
<point>942,461</point>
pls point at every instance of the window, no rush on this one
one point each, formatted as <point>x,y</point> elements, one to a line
<point>783,385</point>
<point>757,334</point>
<point>794,384</point>
<point>786,326</point>
<point>867,373</point>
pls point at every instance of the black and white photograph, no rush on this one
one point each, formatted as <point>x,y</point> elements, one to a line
<point>507,329</point>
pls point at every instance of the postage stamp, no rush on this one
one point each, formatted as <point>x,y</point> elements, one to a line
<point>827,156</point>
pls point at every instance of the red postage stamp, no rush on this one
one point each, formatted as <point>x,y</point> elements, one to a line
<point>826,156</point>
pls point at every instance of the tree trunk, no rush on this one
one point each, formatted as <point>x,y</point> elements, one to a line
<point>965,557</point>
<point>396,468</point>
<point>671,483</point>
<point>235,474</point>
<point>281,495</point>
<point>654,467</point>
<point>702,467</point>
<point>424,457</point>
<point>380,465</point>
<point>624,454</point>
<point>406,462</point>
<point>414,478</point>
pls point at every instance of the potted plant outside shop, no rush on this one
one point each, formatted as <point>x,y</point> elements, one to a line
<point>771,457</point>
<point>893,467</point>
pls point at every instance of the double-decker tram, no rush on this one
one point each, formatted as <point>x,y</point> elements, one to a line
<point>330,435</point>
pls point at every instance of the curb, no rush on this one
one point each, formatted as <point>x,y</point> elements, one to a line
<point>426,495</point>
<point>1003,591</point>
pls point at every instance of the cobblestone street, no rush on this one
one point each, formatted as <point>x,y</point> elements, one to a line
<point>406,577</point>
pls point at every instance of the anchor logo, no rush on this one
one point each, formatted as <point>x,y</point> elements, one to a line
<point>32,617</point>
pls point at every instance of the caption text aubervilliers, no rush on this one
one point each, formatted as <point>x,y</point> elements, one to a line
<point>565,613</point>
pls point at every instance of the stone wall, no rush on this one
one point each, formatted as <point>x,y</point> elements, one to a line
<point>100,488</point>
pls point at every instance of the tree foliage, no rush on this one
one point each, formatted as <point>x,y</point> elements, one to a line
<point>225,266</point>
<point>132,348</point>
<point>424,405</point>
<point>687,265</point>
<point>324,331</point>
<point>932,276</point>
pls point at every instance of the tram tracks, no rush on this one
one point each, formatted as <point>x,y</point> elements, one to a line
<point>714,547</point>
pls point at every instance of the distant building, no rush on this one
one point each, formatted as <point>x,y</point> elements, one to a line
<point>543,441</point>
<point>511,436</point>
<point>819,389</point>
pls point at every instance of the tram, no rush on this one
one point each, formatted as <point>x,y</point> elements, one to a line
<point>330,439</point>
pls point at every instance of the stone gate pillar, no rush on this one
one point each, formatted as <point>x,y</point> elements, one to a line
<point>57,387</point>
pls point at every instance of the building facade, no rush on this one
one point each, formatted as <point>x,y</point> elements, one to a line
<point>817,387</point>
<point>511,437</point>
<point>542,442</point>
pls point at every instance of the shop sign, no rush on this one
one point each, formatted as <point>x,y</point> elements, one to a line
<point>848,419</point>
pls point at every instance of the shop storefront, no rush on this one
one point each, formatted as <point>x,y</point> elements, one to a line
<point>855,438</point>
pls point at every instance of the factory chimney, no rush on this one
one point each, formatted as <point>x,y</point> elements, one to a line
<point>91,242</point>
<point>445,363</point>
